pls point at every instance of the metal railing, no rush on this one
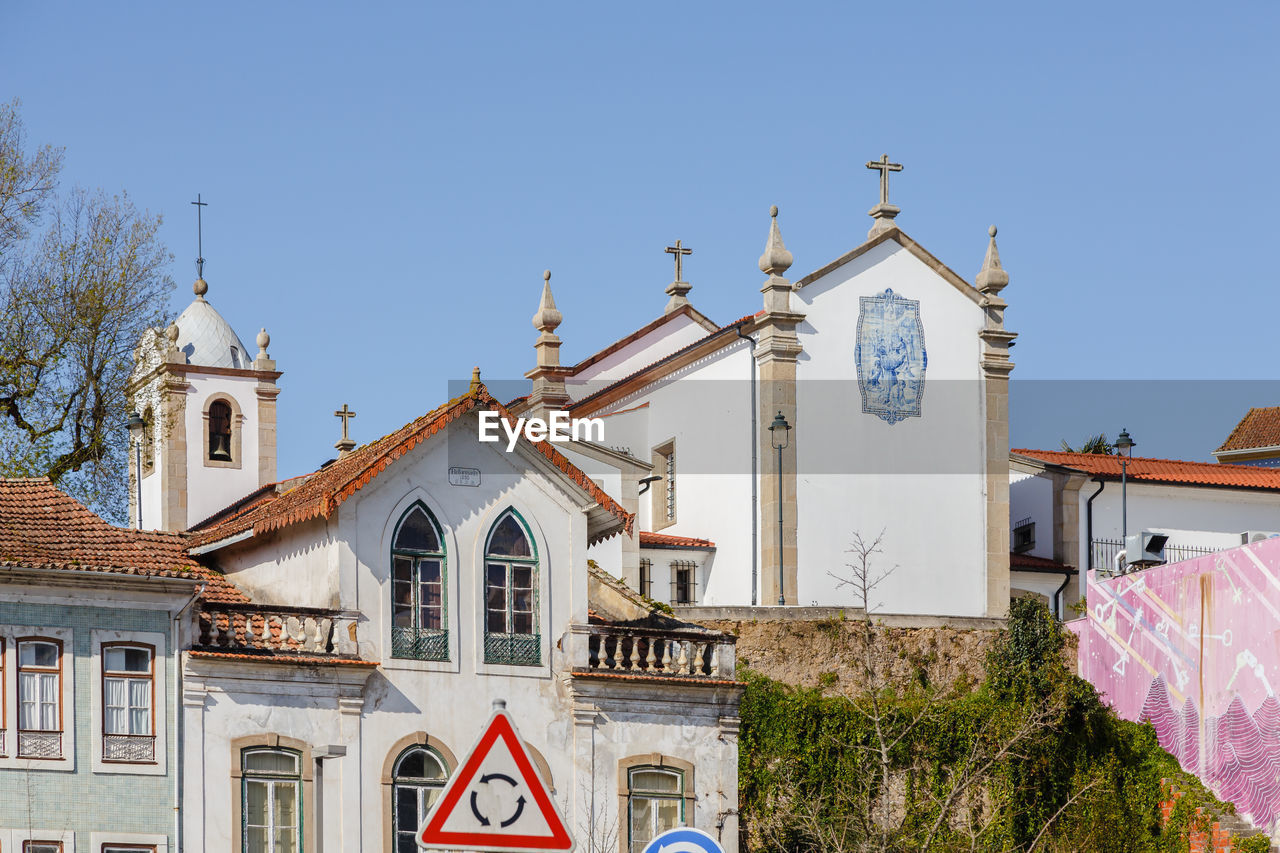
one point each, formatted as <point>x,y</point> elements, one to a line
<point>1102,553</point>
<point>128,748</point>
<point>39,744</point>
<point>419,643</point>
<point>513,649</point>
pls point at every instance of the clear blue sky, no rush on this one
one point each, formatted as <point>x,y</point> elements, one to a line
<point>387,181</point>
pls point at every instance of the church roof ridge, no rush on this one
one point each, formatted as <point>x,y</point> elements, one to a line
<point>320,494</point>
<point>683,311</point>
<point>903,239</point>
<point>666,359</point>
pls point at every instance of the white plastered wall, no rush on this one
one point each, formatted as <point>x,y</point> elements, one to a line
<point>920,481</point>
<point>1032,497</point>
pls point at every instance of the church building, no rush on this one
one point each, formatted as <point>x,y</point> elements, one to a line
<point>867,398</point>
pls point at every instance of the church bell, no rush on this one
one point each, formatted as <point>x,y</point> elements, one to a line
<point>220,450</point>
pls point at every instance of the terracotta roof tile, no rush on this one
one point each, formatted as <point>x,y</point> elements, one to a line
<point>669,679</point>
<point>318,495</point>
<point>279,657</point>
<point>42,527</point>
<point>1260,427</point>
<point>1027,561</point>
<point>1142,469</point>
<point>663,540</point>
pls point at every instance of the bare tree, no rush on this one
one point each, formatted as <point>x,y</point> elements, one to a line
<point>75,301</point>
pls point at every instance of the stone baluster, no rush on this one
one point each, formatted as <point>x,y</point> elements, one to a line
<point>649,658</point>
<point>682,663</point>
<point>634,660</point>
<point>666,655</point>
<point>610,652</point>
<point>715,659</point>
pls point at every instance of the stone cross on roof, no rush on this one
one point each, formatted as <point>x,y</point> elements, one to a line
<point>678,251</point>
<point>883,213</point>
<point>346,444</point>
<point>885,167</point>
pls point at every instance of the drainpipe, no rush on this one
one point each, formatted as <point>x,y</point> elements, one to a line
<point>1102,484</point>
<point>177,719</point>
<point>1057,596</point>
<point>755,498</point>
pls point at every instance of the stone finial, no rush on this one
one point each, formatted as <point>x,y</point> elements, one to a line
<point>201,287</point>
<point>992,278</point>
<point>475,379</point>
<point>776,260</point>
<point>264,341</point>
<point>172,334</point>
<point>547,317</point>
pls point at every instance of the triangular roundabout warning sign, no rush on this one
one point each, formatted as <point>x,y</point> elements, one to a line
<point>496,801</point>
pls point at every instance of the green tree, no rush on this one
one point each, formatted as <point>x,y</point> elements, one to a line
<point>82,276</point>
<point>1096,444</point>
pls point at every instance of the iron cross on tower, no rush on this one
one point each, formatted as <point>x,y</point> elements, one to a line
<point>678,251</point>
<point>199,236</point>
<point>884,167</point>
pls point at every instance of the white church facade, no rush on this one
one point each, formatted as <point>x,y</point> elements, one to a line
<point>891,372</point>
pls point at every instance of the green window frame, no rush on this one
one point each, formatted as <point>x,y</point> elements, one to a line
<point>418,777</point>
<point>511,597</point>
<point>271,800</point>
<point>655,803</point>
<point>419,587</point>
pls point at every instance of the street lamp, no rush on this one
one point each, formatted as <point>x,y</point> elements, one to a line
<point>137,427</point>
<point>1124,446</point>
<point>780,436</point>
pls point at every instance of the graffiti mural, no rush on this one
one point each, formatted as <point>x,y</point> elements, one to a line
<point>890,356</point>
<point>1194,647</point>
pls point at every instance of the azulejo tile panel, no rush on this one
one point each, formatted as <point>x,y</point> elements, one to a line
<point>890,356</point>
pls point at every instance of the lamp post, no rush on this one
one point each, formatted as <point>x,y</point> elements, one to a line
<point>1124,446</point>
<point>137,426</point>
<point>780,436</point>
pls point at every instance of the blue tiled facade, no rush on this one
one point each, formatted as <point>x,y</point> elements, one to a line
<point>83,801</point>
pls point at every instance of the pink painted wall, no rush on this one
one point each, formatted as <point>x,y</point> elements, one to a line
<point>1194,647</point>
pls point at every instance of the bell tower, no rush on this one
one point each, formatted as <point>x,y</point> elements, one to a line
<point>208,410</point>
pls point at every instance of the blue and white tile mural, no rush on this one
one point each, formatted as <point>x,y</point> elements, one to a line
<point>891,357</point>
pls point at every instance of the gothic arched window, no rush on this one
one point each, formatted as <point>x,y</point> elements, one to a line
<point>419,606</point>
<point>510,594</point>
<point>419,776</point>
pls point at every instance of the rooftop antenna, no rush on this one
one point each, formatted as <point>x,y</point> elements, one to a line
<point>199,236</point>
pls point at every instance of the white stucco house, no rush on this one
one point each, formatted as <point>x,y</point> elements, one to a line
<point>389,598</point>
<point>1067,512</point>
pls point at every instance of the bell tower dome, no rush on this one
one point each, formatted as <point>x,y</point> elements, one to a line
<point>209,414</point>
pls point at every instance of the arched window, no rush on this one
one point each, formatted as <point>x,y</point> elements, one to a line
<point>419,606</point>
<point>271,791</point>
<point>510,595</point>
<point>219,431</point>
<point>418,778</point>
<point>655,803</point>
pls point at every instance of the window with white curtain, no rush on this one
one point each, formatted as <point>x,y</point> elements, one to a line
<point>128,692</point>
<point>39,698</point>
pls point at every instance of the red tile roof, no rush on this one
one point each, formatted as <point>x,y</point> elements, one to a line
<point>318,495</point>
<point>281,657</point>
<point>1026,561</point>
<point>42,527</point>
<point>1260,427</point>
<point>1176,471</point>
<point>662,540</point>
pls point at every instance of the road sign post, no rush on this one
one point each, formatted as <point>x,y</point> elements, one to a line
<point>496,801</point>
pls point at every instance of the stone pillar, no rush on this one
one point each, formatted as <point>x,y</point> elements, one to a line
<point>777,350</point>
<point>1066,529</point>
<point>173,465</point>
<point>996,366</point>
<point>549,394</point>
<point>267,391</point>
